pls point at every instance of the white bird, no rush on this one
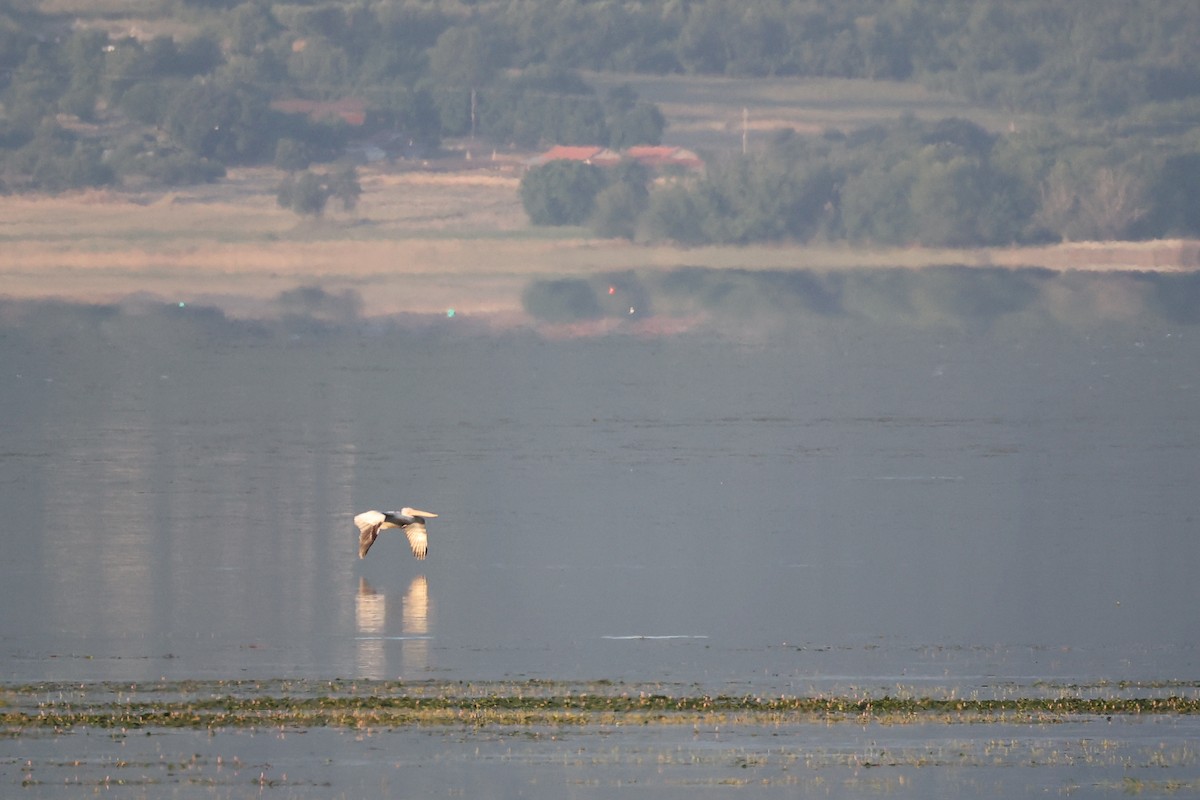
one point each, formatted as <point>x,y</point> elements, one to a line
<point>412,520</point>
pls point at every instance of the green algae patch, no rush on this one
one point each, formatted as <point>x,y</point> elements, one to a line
<point>292,704</point>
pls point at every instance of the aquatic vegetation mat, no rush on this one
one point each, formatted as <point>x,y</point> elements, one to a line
<point>370,704</point>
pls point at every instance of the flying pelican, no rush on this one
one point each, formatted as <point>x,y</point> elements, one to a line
<point>412,520</point>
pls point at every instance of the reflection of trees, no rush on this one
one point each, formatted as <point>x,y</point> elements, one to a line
<point>103,538</point>
<point>164,487</point>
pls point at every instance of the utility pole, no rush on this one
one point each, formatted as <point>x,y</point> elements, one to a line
<point>471,143</point>
<point>472,115</point>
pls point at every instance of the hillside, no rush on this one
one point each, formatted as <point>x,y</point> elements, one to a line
<point>140,150</point>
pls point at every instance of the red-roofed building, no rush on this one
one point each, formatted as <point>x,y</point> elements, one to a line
<point>655,157</point>
<point>564,152</point>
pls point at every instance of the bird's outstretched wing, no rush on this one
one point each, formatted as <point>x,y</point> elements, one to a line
<point>366,538</point>
<point>418,538</point>
<point>369,524</point>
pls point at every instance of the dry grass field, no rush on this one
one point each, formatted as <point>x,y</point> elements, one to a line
<point>411,244</point>
<point>708,112</point>
<point>420,242</point>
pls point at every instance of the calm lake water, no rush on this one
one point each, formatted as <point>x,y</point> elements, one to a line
<point>832,501</point>
<point>832,506</point>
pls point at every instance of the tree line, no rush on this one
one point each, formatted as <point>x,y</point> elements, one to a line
<point>949,183</point>
<point>1119,77</point>
<point>204,103</point>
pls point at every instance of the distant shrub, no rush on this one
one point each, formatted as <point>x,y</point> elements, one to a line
<point>616,212</point>
<point>565,300</point>
<point>307,193</point>
<point>561,192</point>
<point>163,165</point>
<point>315,304</point>
<point>292,156</point>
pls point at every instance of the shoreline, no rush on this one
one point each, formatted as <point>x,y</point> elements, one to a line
<point>481,277</point>
<point>418,243</point>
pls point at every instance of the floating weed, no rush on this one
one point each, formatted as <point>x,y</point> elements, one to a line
<point>1138,786</point>
<point>364,705</point>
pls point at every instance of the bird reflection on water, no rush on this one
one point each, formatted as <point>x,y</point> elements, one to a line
<point>370,613</point>
<point>414,620</point>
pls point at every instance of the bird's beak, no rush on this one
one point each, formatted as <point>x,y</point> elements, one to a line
<point>418,513</point>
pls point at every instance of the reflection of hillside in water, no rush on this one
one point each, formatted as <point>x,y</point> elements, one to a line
<point>936,294</point>
<point>178,490</point>
<point>102,533</point>
<point>167,519</point>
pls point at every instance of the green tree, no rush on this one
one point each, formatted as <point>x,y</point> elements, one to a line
<point>292,155</point>
<point>543,106</point>
<point>629,121</point>
<point>229,124</point>
<point>148,101</point>
<point>152,161</point>
<point>1113,202</point>
<point>342,183</point>
<point>945,199</point>
<point>574,120</point>
<point>1175,197</point>
<point>561,192</point>
<point>395,50</point>
<point>54,160</point>
<point>1058,206</point>
<point>1081,201</point>
<point>415,114</point>
<point>321,63</point>
<point>453,108</point>
<point>250,27</point>
<point>766,196</point>
<point>616,211</point>
<point>875,207</point>
<point>15,41</point>
<point>305,193</point>
<point>463,57</point>
<point>679,214</point>
<point>83,59</point>
<point>707,42</point>
<point>621,203</point>
<point>35,87</point>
